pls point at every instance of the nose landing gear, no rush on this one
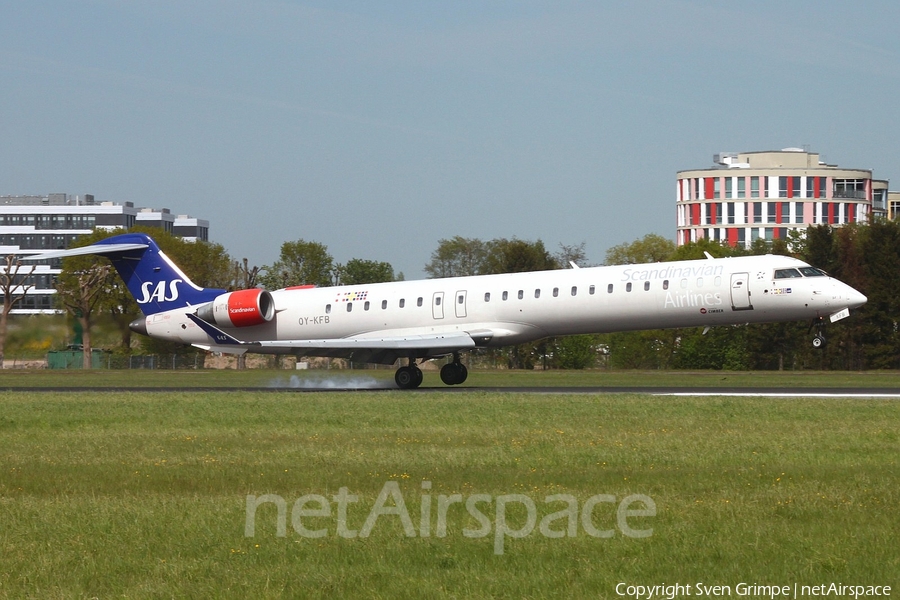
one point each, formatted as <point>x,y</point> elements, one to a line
<point>818,325</point>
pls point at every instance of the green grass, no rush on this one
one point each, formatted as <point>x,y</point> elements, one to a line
<point>18,378</point>
<point>138,495</point>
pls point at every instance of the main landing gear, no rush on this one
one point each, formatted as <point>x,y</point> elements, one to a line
<point>454,373</point>
<point>818,325</point>
<point>410,376</point>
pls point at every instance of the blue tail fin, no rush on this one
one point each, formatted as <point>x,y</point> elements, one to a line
<point>156,283</point>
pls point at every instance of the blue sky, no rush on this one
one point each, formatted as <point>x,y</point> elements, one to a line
<point>380,128</point>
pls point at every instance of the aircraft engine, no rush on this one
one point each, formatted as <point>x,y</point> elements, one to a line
<point>243,308</point>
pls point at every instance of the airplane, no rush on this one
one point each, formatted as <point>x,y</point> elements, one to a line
<point>433,318</point>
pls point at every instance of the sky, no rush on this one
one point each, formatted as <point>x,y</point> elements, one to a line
<point>380,128</point>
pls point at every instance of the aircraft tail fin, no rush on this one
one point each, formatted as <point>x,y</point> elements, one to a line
<point>156,283</point>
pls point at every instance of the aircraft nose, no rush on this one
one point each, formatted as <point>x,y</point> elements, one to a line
<point>856,299</point>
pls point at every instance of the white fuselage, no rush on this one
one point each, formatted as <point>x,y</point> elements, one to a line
<point>521,307</point>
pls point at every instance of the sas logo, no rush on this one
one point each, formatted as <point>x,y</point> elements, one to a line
<point>159,292</point>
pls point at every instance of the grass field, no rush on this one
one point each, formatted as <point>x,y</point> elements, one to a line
<point>144,495</point>
<point>12,379</point>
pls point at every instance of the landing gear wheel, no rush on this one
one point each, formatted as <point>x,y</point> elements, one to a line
<point>408,378</point>
<point>818,325</point>
<point>454,373</point>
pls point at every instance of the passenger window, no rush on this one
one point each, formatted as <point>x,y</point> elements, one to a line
<point>521,294</point>
<point>402,302</point>
<point>505,295</point>
<point>349,306</point>
<point>684,284</point>
<point>487,296</point>
<point>383,304</point>
<point>366,305</point>
<point>718,281</point>
<point>609,289</point>
<point>419,302</point>
<point>665,284</point>
<point>574,290</point>
<point>537,293</point>
<point>628,287</point>
<point>327,309</point>
<point>591,290</point>
<point>646,286</point>
<point>699,282</point>
<point>555,292</point>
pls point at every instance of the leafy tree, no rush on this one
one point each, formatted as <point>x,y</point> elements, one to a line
<point>517,256</point>
<point>575,352</point>
<point>358,271</point>
<point>696,250</point>
<point>651,349</point>
<point>80,292</point>
<point>300,263</point>
<point>650,248</point>
<point>878,278</point>
<point>720,348</point>
<point>457,257</point>
<point>13,285</point>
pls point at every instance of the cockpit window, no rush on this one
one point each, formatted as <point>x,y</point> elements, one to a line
<point>813,272</point>
<point>787,273</point>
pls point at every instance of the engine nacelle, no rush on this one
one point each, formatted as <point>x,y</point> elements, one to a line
<point>243,308</point>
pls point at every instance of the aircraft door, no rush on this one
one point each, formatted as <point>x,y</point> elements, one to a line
<point>460,304</point>
<point>740,291</point>
<point>437,305</point>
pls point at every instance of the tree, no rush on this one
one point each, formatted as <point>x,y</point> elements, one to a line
<point>300,263</point>
<point>358,271</point>
<point>575,352</point>
<point>13,285</point>
<point>244,277</point>
<point>80,293</point>
<point>696,250</point>
<point>650,248</point>
<point>457,257</point>
<point>517,256</point>
<point>571,254</point>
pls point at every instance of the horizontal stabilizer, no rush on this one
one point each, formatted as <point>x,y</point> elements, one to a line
<point>93,249</point>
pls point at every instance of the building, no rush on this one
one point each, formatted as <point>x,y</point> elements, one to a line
<point>893,206</point>
<point>34,224</point>
<point>763,195</point>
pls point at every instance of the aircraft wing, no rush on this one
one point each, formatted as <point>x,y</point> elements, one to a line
<point>384,350</point>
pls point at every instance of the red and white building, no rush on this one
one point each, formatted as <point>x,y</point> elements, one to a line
<point>763,195</point>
